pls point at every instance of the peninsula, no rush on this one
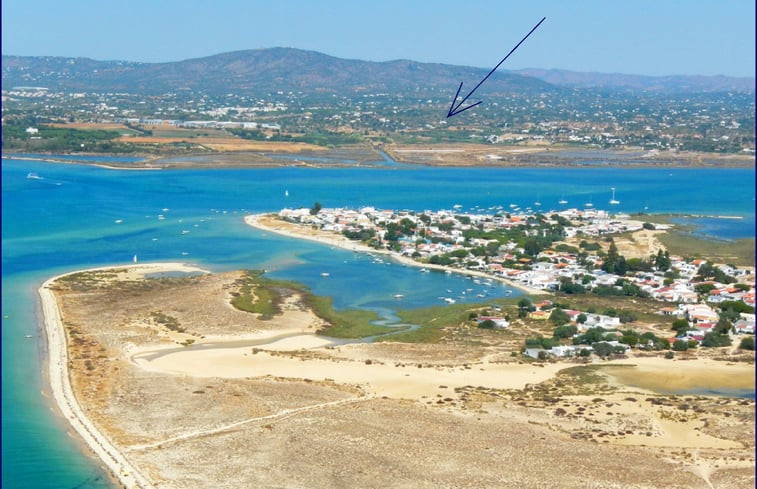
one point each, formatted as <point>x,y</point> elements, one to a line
<point>174,382</point>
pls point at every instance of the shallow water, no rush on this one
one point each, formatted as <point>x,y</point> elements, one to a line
<point>77,217</point>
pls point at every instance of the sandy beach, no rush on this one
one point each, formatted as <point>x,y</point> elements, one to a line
<point>270,223</point>
<point>118,465</point>
<point>269,403</point>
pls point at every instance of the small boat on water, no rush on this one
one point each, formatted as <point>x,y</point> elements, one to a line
<point>448,272</point>
<point>325,274</point>
<point>424,270</point>
<point>33,176</point>
<point>613,201</point>
<point>449,300</point>
<point>562,201</point>
<point>185,232</point>
<point>28,336</point>
<point>119,221</point>
<point>398,296</point>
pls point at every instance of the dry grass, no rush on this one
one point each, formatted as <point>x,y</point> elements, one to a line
<point>467,438</point>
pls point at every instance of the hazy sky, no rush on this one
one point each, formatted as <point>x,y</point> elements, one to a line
<point>663,37</point>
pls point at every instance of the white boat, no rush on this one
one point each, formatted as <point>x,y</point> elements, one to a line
<point>449,300</point>
<point>562,201</point>
<point>33,176</point>
<point>28,336</point>
<point>119,221</point>
<point>134,259</point>
<point>185,232</point>
<point>398,296</point>
<point>161,217</point>
<point>613,201</point>
<point>424,270</point>
<point>286,193</point>
<point>589,204</point>
<point>513,206</point>
<point>448,272</point>
<point>325,274</point>
<point>184,253</point>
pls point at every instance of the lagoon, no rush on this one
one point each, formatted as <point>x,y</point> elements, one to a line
<point>49,229</point>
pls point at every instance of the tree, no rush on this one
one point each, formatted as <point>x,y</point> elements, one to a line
<point>648,225</point>
<point>581,319</point>
<point>662,260</point>
<point>559,317</point>
<point>565,331</point>
<point>715,340</point>
<point>629,340</point>
<point>747,343</point>
<point>680,326</point>
<point>614,262</point>
<point>736,307</point>
<point>531,247</point>
<point>524,306</point>
<point>603,349</point>
<point>315,209</point>
<point>627,316</point>
<point>680,345</point>
<point>569,287</point>
<point>704,289</point>
<point>487,324</point>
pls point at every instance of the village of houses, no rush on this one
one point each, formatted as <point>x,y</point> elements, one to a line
<point>442,233</point>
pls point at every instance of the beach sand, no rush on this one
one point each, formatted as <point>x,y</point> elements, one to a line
<point>118,465</point>
<point>255,403</point>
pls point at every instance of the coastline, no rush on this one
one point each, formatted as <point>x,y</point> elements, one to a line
<point>254,220</point>
<point>544,157</point>
<point>287,355</point>
<point>58,375</point>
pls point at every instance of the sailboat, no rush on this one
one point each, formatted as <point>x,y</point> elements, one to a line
<point>613,201</point>
<point>537,203</point>
<point>135,259</point>
<point>286,193</point>
<point>589,204</point>
<point>562,201</point>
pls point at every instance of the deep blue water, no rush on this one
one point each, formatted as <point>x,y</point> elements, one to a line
<point>66,220</point>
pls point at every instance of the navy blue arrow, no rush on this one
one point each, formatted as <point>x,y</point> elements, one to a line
<point>455,109</point>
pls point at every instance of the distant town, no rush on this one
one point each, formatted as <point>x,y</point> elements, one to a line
<point>707,122</point>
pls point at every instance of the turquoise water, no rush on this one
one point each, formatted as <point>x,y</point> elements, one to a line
<point>66,220</point>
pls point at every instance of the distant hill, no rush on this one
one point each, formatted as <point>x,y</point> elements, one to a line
<point>262,71</point>
<point>255,72</point>
<point>675,83</point>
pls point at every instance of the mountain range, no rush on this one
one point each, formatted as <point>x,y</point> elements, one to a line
<point>260,71</point>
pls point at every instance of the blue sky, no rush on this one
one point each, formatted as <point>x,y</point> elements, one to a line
<point>664,37</point>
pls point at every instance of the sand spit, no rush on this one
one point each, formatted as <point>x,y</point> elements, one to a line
<point>255,402</point>
<point>270,223</point>
<point>119,465</point>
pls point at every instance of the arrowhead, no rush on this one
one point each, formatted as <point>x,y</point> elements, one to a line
<point>454,110</point>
